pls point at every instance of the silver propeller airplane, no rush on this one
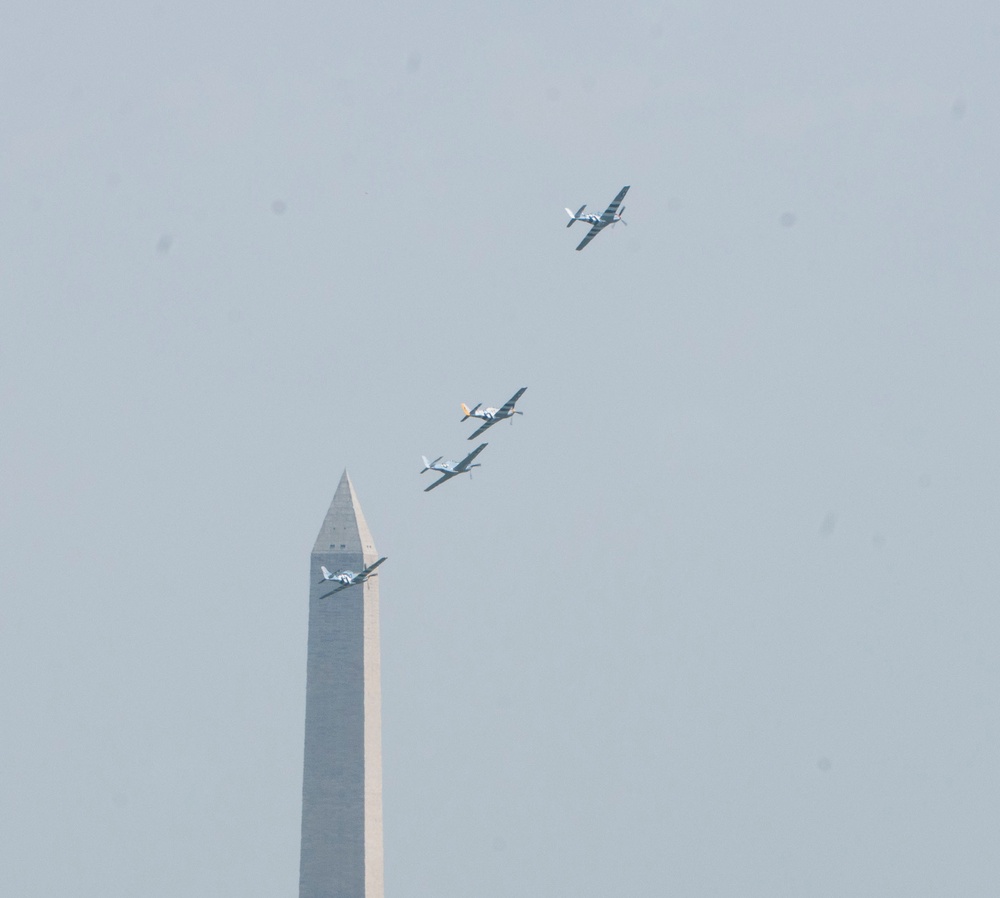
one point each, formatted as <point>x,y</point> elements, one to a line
<point>349,578</point>
<point>449,469</point>
<point>491,415</point>
<point>612,215</point>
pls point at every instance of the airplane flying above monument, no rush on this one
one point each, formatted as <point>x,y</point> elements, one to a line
<point>490,416</point>
<point>449,469</point>
<point>349,578</point>
<point>612,215</point>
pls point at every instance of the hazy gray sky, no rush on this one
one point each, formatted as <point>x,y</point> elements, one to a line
<point>718,616</point>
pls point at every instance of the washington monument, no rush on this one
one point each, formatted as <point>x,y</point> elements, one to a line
<point>342,774</point>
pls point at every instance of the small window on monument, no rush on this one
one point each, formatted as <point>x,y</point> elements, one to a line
<point>342,546</point>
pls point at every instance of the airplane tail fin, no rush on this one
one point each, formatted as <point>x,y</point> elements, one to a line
<point>326,573</point>
<point>470,412</point>
<point>427,464</point>
<point>572,217</point>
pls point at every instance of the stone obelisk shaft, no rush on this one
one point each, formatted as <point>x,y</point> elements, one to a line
<point>342,774</point>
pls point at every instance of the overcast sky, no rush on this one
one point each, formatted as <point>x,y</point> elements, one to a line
<point>718,615</point>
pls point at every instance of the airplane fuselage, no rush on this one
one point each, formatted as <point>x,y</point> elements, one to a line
<point>349,578</point>
<point>452,468</point>
<point>490,414</point>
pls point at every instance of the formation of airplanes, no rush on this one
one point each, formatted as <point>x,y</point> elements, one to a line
<point>489,416</point>
<point>449,468</point>
<point>348,578</point>
<point>611,216</point>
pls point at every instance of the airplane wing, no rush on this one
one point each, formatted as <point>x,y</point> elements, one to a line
<point>338,589</point>
<point>591,234</point>
<point>446,476</point>
<point>609,213</point>
<point>483,427</point>
<point>508,406</point>
<point>463,466</point>
<point>367,571</point>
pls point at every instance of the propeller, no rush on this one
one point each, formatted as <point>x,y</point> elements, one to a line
<point>618,218</point>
